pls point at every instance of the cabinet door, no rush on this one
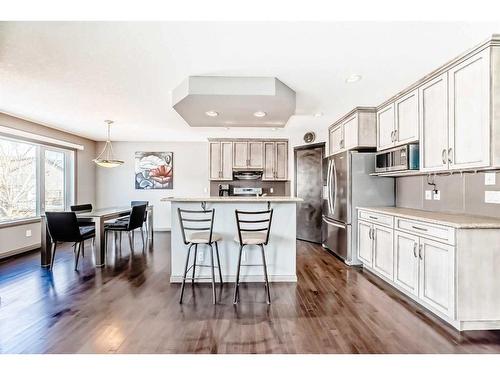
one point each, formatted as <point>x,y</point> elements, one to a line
<point>269,160</point>
<point>336,139</point>
<point>227,160</point>
<point>383,251</point>
<point>406,112</point>
<point>406,262</point>
<point>385,127</point>
<point>215,160</point>
<point>365,243</point>
<point>240,154</point>
<point>437,268</point>
<point>351,133</point>
<point>434,124</point>
<point>281,164</point>
<point>469,130</point>
<point>255,155</point>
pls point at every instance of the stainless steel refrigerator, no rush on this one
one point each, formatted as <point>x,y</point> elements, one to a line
<point>349,185</point>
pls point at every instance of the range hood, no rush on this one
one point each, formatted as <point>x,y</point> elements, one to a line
<point>248,175</point>
<point>217,101</point>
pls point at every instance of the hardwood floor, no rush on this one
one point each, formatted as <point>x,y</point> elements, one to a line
<point>130,307</point>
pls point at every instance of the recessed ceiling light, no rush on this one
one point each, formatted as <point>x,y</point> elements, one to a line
<point>212,113</point>
<point>353,78</point>
<point>318,114</point>
<point>259,114</point>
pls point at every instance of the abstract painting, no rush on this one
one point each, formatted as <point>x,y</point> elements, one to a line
<point>154,170</point>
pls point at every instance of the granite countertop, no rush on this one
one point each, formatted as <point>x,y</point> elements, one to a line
<point>461,221</point>
<point>233,199</point>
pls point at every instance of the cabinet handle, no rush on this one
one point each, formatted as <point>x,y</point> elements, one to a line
<point>420,252</point>
<point>341,143</point>
<point>373,234</point>
<point>415,249</point>
<point>419,228</point>
<point>450,155</point>
<point>395,135</point>
<point>373,217</point>
<point>443,156</point>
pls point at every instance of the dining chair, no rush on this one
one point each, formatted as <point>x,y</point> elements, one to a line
<point>82,223</point>
<point>253,230</point>
<point>63,227</point>
<point>197,229</point>
<point>135,220</point>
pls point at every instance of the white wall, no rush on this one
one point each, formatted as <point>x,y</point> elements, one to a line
<point>115,187</point>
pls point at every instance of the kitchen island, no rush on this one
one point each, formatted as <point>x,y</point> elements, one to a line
<point>280,252</point>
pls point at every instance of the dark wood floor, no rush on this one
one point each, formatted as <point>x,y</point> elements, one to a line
<point>130,307</point>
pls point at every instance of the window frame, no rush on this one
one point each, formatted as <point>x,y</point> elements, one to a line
<point>69,177</point>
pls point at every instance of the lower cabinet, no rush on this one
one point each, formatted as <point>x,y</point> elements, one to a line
<point>421,267</point>
<point>437,275</point>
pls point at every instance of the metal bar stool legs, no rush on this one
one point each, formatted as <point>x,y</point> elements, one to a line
<point>185,273</point>
<point>264,264</point>
<point>237,282</point>
<point>218,262</point>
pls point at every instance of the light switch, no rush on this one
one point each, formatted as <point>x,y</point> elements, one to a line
<point>436,195</point>
<point>490,178</point>
<point>428,195</point>
<point>492,197</point>
<point>205,190</point>
<point>28,233</point>
<point>271,190</point>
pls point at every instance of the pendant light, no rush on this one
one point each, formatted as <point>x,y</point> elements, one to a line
<point>105,158</point>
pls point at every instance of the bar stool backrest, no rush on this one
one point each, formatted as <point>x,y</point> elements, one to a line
<point>254,221</point>
<point>81,208</point>
<point>196,221</point>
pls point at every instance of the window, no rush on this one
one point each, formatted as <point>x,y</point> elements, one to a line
<point>34,178</point>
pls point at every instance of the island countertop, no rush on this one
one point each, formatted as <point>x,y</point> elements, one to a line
<point>233,199</point>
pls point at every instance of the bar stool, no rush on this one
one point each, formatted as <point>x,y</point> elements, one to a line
<point>252,232</point>
<point>197,229</point>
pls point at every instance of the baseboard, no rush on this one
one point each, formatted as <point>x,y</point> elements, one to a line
<point>19,251</point>
<point>243,279</point>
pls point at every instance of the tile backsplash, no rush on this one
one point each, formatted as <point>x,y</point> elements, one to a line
<point>458,193</point>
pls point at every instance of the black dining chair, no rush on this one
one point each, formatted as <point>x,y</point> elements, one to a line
<point>82,223</point>
<point>253,230</point>
<point>63,227</point>
<point>138,203</point>
<point>135,220</point>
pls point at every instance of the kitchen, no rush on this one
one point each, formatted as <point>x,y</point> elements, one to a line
<point>372,203</point>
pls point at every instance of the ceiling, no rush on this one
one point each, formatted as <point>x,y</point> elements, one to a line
<point>74,75</point>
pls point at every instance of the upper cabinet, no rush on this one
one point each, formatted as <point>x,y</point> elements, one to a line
<point>275,161</point>
<point>221,161</point>
<point>397,123</point>
<point>453,112</point>
<point>248,155</point>
<point>355,130</point>
<point>269,155</point>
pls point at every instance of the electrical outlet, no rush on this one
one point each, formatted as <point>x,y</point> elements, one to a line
<point>28,233</point>
<point>492,197</point>
<point>201,256</point>
<point>490,178</point>
<point>205,190</point>
<point>428,195</point>
<point>271,190</point>
<point>436,195</point>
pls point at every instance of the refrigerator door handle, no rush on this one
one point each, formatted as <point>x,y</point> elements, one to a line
<point>329,185</point>
<point>329,222</point>
<point>334,192</point>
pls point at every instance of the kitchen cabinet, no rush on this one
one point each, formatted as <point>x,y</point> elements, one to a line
<point>383,251</point>
<point>248,155</point>
<point>355,130</point>
<point>365,243</point>
<point>275,161</point>
<point>469,121</point>
<point>436,275</point>
<point>406,262</point>
<point>385,127</point>
<point>406,119</point>
<point>434,124</point>
<point>221,161</point>
<point>336,139</point>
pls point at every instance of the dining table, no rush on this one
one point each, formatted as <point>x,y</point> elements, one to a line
<point>99,216</point>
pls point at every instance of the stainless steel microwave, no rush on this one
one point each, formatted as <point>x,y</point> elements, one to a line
<point>403,158</point>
